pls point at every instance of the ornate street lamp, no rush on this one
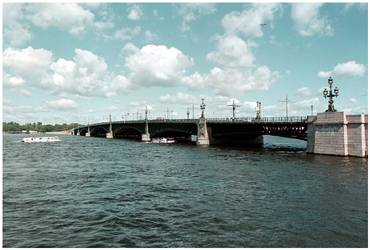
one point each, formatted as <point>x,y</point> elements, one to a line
<point>258,110</point>
<point>202,107</point>
<point>330,94</point>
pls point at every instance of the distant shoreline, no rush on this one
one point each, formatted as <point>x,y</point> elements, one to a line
<point>47,133</point>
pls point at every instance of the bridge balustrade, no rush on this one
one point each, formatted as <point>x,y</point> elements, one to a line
<point>290,119</point>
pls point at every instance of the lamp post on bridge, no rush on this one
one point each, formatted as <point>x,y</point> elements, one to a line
<point>234,106</point>
<point>202,107</point>
<point>258,110</point>
<point>202,133</point>
<point>330,94</point>
<point>146,137</point>
<point>286,105</point>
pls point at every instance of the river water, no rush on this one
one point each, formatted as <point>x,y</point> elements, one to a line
<point>94,192</point>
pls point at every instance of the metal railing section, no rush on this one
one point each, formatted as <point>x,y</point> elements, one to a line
<point>282,119</point>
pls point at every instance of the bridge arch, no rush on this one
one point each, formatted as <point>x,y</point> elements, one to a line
<point>98,131</point>
<point>171,132</point>
<point>83,132</point>
<point>127,132</point>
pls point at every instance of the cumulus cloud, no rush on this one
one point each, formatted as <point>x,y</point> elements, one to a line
<point>134,12</point>
<point>62,104</point>
<point>73,18</point>
<point>232,52</point>
<point>179,98</point>
<point>12,81</point>
<point>129,49</point>
<point>248,22</point>
<point>350,69</point>
<point>304,92</point>
<point>28,62</point>
<point>25,92</point>
<point>308,21</point>
<point>126,33</point>
<point>103,25</point>
<point>70,17</point>
<point>192,11</point>
<point>157,65</point>
<point>150,36</point>
<point>16,33</point>
<point>232,82</point>
<point>86,74</point>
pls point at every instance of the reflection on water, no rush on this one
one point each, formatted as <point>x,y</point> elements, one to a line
<point>93,192</point>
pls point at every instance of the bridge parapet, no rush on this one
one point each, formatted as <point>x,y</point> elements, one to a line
<point>290,119</point>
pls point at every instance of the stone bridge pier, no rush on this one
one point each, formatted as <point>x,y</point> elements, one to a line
<point>337,133</point>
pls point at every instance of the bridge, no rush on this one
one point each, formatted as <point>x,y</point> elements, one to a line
<point>331,132</point>
<point>219,131</point>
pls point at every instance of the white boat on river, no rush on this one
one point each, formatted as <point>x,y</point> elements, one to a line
<point>163,140</point>
<point>41,139</point>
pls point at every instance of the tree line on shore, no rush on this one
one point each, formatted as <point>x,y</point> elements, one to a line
<point>36,126</point>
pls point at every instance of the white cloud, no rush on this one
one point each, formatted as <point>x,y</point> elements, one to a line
<point>360,6</point>
<point>86,74</point>
<point>129,49</point>
<point>233,101</point>
<point>250,106</point>
<point>233,82</point>
<point>28,62</point>
<point>25,92</point>
<point>126,33</point>
<point>120,84</point>
<point>324,74</point>
<point>134,12</point>
<point>62,104</point>
<point>70,17</point>
<point>308,21</point>
<point>232,52</point>
<point>304,92</point>
<point>248,22</point>
<point>17,34</point>
<point>350,69</point>
<point>103,25</point>
<point>150,36</point>
<point>353,100</point>
<point>157,65</point>
<point>15,31</point>
<point>179,98</point>
<point>192,11</point>
<point>12,81</point>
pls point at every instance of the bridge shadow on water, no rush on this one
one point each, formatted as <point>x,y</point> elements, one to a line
<point>270,144</point>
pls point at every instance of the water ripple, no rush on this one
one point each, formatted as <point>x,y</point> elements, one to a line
<point>92,192</point>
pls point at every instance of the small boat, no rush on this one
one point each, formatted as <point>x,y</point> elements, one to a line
<point>163,140</point>
<point>41,139</point>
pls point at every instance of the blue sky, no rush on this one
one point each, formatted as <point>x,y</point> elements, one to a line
<point>79,62</point>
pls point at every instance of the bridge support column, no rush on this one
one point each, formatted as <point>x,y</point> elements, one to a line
<point>146,137</point>
<point>88,132</point>
<point>109,135</point>
<point>335,133</point>
<point>202,137</point>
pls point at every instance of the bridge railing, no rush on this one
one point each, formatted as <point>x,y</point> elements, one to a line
<point>283,119</point>
<point>261,120</point>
